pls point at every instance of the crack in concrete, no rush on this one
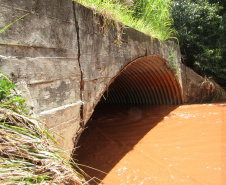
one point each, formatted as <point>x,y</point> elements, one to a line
<point>81,129</point>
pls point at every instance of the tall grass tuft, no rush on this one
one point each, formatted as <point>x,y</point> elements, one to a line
<point>154,17</point>
<point>149,16</point>
<point>28,154</point>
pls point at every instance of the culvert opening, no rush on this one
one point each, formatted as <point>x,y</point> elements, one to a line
<point>133,104</point>
<point>145,81</point>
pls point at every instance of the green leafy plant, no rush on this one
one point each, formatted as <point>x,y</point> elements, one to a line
<point>201,27</point>
<point>172,61</point>
<point>5,86</point>
<point>8,96</point>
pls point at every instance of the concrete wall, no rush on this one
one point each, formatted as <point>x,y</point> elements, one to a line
<point>196,89</point>
<point>66,56</point>
<point>41,50</point>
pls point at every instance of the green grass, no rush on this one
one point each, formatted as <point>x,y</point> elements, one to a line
<point>151,17</point>
<point>5,28</point>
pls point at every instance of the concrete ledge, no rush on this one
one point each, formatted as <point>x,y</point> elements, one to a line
<point>57,116</point>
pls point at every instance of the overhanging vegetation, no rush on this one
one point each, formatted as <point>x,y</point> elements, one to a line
<point>149,16</point>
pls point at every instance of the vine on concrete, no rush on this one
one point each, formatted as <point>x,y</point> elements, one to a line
<point>172,61</point>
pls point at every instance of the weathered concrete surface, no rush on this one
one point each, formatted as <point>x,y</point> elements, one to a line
<point>192,81</point>
<point>100,49</point>
<point>67,56</point>
<point>42,51</point>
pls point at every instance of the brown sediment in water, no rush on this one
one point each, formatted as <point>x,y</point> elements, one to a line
<point>156,145</point>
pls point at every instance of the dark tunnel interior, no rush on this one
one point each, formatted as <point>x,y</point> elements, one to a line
<point>146,81</point>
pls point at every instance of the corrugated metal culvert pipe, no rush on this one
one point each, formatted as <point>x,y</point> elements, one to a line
<point>147,80</point>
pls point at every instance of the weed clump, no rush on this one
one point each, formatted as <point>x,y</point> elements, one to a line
<point>148,16</point>
<point>28,153</point>
<point>210,91</point>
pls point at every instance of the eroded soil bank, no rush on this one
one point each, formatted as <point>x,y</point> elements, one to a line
<point>156,145</point>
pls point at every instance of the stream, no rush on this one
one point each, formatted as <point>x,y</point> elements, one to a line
<point>163,144</point>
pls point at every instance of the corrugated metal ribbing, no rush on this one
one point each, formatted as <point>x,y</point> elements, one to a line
<point>147,80</point>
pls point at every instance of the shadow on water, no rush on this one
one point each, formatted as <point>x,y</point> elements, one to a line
<point>112,132</point>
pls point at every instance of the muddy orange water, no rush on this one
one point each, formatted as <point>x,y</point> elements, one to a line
<point>156,145</point>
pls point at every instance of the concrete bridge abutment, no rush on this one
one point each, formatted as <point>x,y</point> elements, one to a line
<point>65,57</point>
